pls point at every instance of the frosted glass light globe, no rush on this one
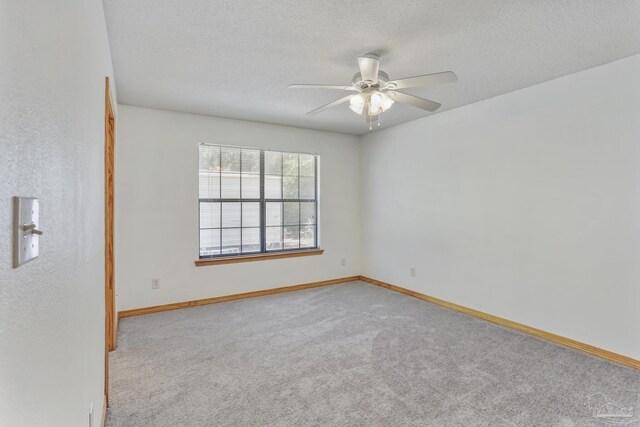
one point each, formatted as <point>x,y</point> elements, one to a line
<point>356,103</point>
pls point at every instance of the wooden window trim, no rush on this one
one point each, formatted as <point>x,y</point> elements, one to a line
<point>257,257</point>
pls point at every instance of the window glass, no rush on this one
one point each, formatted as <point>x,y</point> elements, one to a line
<point>253,201</point>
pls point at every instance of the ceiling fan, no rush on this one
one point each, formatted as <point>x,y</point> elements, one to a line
<point>376,93</point>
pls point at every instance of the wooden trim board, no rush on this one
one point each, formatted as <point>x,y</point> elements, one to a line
<point>257,257</point>
<point>109,260</point>
<point>567,342</point>
<point>214,300</point>
<point>109,189</point>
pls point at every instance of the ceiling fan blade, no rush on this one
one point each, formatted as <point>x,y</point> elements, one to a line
<point>425,104</point>
<point>322,87</point>
<point>369,68</point>
<point>428,79</point>
<point>331,104</point>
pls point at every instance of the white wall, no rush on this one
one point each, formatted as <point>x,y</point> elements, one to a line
<point>55,57</point>
<point>525,206</point>
<point>157,207</point>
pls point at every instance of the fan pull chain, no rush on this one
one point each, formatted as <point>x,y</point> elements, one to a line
<point>370,121</point>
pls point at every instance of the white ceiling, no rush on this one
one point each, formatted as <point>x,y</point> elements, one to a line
<point>235,58</point>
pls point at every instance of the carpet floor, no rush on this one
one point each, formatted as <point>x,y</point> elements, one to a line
<point>354,354</point>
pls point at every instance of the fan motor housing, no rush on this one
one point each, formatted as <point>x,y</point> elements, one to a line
<point>358,82</point>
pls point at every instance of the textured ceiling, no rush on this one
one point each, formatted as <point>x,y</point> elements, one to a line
<point>236,58</point>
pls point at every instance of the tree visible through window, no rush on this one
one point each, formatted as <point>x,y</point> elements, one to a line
<point>254,201</point>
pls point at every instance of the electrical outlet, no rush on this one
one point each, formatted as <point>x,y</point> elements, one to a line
<point>343,262</point>
<point>91,415</point>
<point>155,284</point>
<point>412,272</point>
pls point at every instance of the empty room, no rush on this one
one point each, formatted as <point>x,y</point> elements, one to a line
<point>319,213</point>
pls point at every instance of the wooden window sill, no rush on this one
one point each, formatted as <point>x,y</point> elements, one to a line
<point>257,257</point>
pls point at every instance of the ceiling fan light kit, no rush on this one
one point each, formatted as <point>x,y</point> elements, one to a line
<point>375,103</point>
<point>376,93</point>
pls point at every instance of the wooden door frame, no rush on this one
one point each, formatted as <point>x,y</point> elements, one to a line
<point>109,189</point>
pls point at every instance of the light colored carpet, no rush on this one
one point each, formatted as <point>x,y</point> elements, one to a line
<point>350,355</point>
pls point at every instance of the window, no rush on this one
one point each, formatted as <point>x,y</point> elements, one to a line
<point>256,201</point>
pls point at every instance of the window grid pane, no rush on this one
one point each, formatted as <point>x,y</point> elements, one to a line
<point>307,213</point>
<point>274,214</point>
<point>307,236</point>
<point>250,239</point>
<point>272,186</point>
<point>236,213</point>
<point>231,241</point>
<point>274,238</point>
<point>292,237</point>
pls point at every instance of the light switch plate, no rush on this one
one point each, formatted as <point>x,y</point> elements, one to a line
<point>26,216</point>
